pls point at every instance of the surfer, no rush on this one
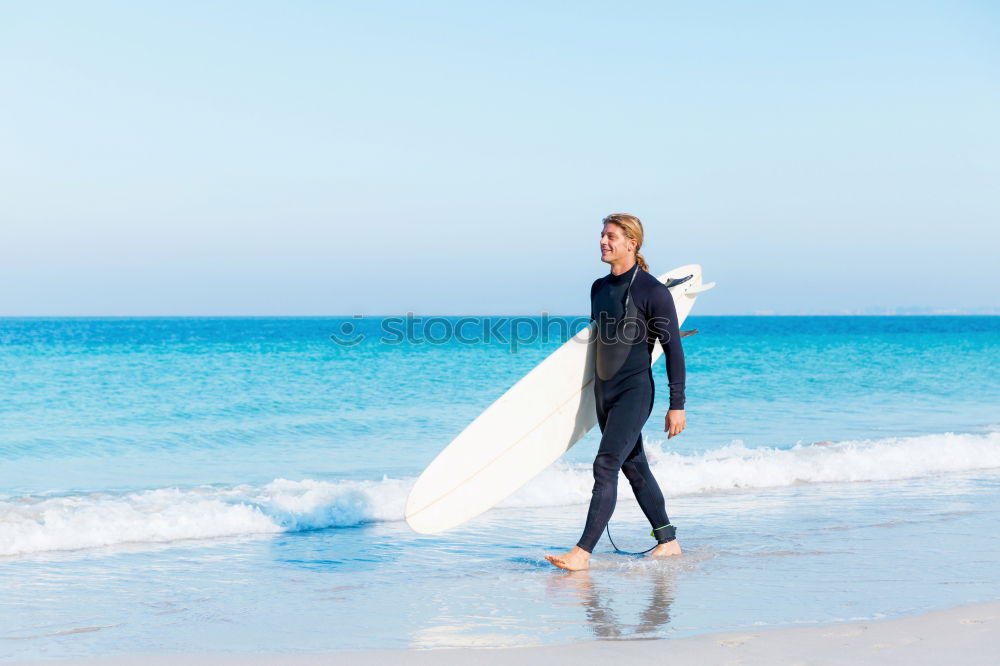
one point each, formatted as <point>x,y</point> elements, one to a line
<point>632,310</point>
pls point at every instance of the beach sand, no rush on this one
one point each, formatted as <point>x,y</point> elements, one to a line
<point>955,636</point>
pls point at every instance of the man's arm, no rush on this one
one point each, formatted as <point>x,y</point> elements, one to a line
<point>663,324</point>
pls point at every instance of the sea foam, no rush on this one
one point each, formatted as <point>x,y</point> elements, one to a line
<point>31,524</point>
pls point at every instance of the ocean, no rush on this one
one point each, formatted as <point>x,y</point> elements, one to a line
<point>238,484</point>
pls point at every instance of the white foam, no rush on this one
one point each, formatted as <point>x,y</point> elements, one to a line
<point>37,524</point>
<point>737,467</point>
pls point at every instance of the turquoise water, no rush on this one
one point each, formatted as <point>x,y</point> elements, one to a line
<point>190,484</point>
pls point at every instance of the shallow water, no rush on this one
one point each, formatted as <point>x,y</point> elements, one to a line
<point>238,485</point>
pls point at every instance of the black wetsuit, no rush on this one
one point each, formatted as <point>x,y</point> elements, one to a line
<point>623,388</point>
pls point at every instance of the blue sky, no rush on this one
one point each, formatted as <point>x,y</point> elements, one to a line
<point>228,158</point>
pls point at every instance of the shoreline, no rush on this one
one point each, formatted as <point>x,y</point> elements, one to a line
<point>968,634</point>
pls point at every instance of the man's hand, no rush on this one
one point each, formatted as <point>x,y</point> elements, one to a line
<point>675,422</point>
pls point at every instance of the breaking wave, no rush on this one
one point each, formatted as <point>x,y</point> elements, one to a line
<point>31,524</point>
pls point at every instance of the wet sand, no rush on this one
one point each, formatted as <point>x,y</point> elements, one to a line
<point>955,636</point>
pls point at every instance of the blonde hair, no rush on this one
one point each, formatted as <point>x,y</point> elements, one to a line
<point>632,228</point>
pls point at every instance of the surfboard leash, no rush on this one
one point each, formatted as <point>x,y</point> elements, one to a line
<point>607,528</point>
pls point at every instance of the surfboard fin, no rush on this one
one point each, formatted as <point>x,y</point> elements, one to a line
<point>673,282</point>
<point>698,290</point>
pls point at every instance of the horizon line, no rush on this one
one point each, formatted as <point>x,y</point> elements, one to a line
<point>993,313</point>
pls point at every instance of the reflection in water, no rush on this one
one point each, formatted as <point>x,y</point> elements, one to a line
<point>594,597</point>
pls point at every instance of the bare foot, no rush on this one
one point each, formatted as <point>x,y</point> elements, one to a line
<point>666,549</point>
<point>575,560</point>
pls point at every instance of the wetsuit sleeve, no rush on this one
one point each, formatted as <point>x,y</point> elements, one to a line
<point>662,322</point>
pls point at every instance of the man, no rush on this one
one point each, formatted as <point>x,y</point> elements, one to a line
<point>632,310</point>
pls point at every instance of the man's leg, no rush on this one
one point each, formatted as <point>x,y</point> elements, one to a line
<point>624,423</point>
<point>624,419</point>
<point>647,493</point>
<point>650,498</point>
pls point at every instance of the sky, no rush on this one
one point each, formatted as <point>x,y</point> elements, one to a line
<point>338,158</point>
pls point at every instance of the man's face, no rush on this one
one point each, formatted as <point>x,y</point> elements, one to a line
<point>615,246</point>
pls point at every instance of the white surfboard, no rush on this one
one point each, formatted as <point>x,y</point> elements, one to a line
<point>527,429</point>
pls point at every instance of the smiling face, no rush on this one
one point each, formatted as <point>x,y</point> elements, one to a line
<point>616,247</point>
